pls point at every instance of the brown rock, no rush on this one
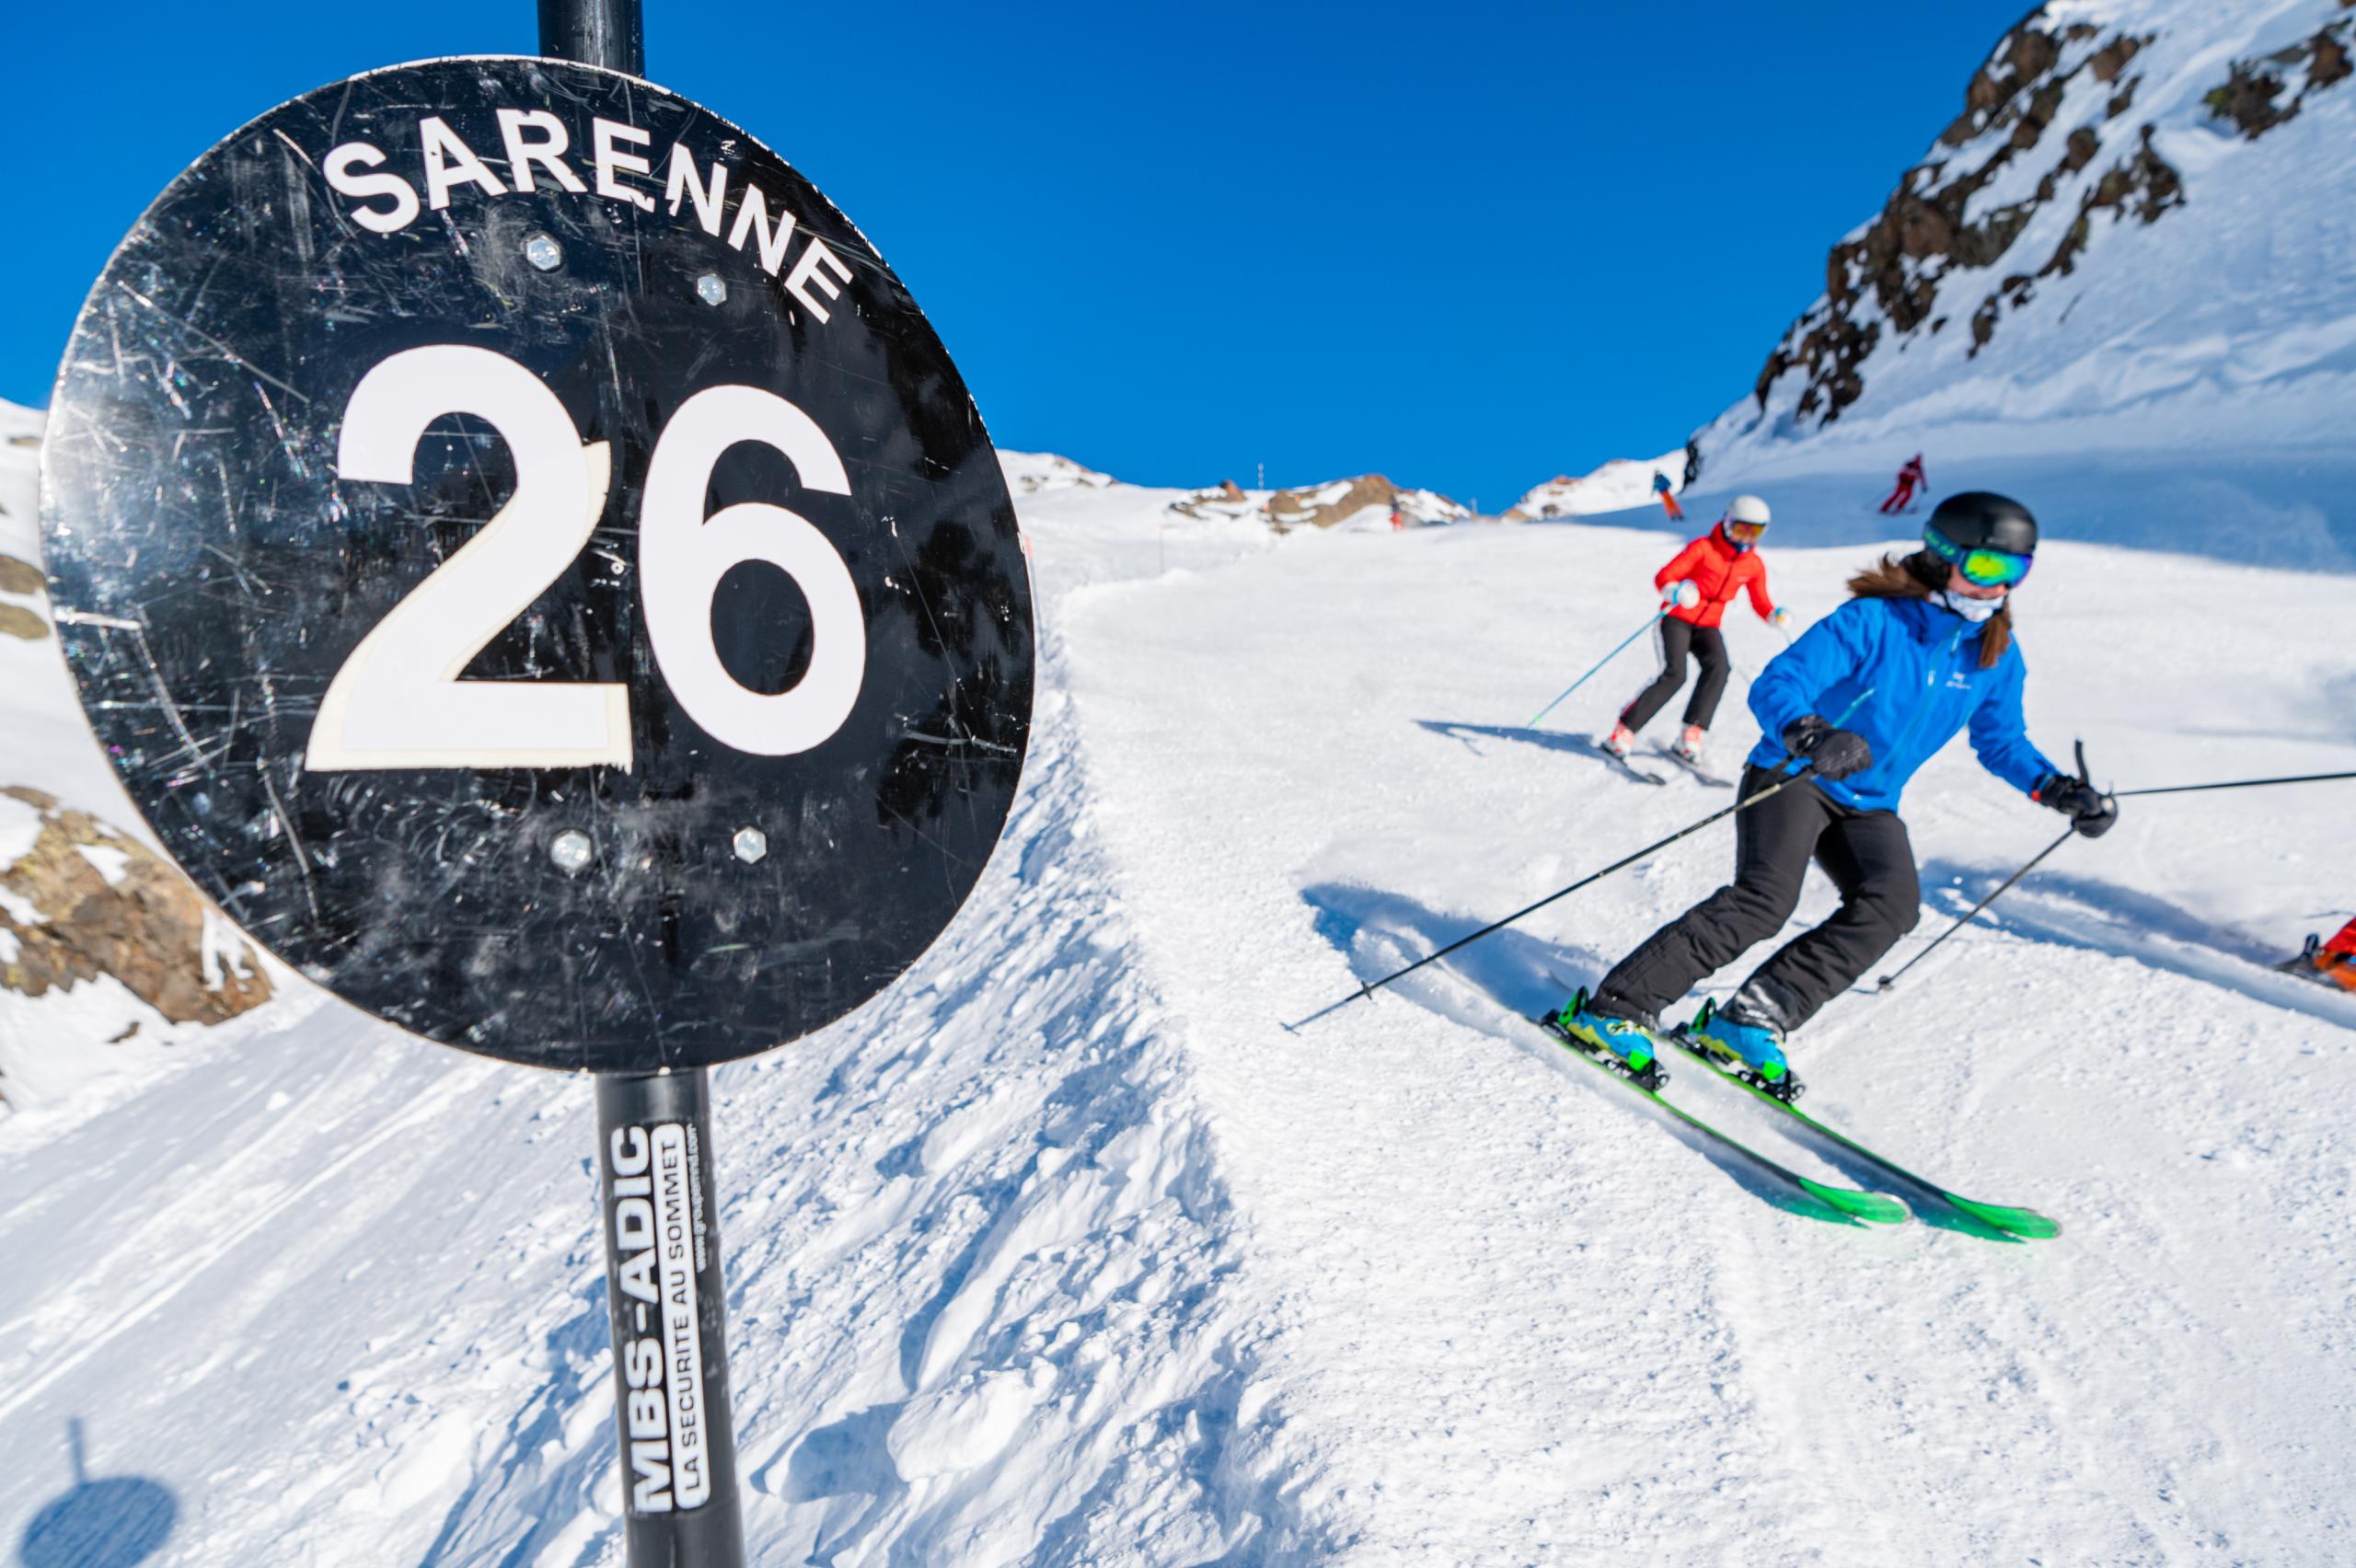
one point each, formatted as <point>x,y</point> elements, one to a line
<point>2112,57</point>
<point>144,923</point>
<point>1293,508</point>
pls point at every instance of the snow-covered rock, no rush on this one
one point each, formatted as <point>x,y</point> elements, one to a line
<point>1028,473</point>
<point>1368,501</point>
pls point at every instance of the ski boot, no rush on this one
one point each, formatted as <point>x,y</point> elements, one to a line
<point>1689,745</point>
<point>1745,1042</point>
<point>1621,742</point>
<point>1629,1046</point>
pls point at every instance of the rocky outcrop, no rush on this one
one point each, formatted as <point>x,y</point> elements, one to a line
<point>23,579</point>
<point>2252,95</point>
<point>1338,500</point>
<point>84,901</point>
<point>2049,121</point>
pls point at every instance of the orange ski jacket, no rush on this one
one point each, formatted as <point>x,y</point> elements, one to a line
<point>1719,571</point>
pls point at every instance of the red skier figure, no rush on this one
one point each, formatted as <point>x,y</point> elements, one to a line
<point>1667,501</point>
<point>2329,962</point>
<point>1902,495</point>
<point>1708,573</point>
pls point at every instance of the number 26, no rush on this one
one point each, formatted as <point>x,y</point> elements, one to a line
<point>396,701</point>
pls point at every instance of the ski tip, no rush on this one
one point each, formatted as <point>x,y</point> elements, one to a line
<point>2027,1224</point>
<point>1879,1208</point>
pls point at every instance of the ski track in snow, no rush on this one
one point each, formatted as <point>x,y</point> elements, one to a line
<point>1530,1326</point>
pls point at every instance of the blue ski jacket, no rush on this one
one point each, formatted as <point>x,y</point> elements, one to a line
<point>1905,674</point>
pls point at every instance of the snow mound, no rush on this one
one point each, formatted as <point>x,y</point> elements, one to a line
<point>1618,485</point>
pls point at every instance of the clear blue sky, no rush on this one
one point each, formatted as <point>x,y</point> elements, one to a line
<point>1471,245</point>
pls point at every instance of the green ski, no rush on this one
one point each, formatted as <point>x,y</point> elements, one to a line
<point>1878,1207</point>
<point>2028,1224</point>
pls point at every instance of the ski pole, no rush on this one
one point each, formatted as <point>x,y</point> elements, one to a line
<point>1599,665</point>
<point>1889,980</point>
<point>1369,987</point>
<point>2236,784</point>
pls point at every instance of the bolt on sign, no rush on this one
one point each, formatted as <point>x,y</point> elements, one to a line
<point>534,566</point>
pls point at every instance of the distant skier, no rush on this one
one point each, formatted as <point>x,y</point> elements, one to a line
<point>2332,962</point>
<point>1668,498</point>
<point>1909,478</point>
<point>1863,698</point>
<point>1718,565</point>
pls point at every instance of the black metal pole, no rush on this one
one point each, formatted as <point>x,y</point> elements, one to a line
<point>663,1286</point>
<point>611,34</point>
<point>2235,784</point>
<point>661,1204</point>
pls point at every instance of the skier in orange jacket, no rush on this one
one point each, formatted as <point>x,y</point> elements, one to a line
<point>1720,564</point>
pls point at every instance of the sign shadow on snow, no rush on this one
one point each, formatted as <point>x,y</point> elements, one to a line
<point>113,1522</point>
<point>1511,974</point>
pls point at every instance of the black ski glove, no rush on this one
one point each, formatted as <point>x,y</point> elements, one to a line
<point>2089,810</point>
<point>1836,753</point>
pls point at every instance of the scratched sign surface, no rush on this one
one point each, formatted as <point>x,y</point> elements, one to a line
<point>537,570</point>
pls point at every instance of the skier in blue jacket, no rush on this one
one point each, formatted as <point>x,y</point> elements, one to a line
<point>1856,704</point>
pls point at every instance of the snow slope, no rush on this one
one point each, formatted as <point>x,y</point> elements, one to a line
<point>1533,1327</point>
<point>2124,268</point>
<point>1068,1252</point>
<point>334,1296</point>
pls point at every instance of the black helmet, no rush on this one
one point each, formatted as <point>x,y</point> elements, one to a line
<point>1978,520</point>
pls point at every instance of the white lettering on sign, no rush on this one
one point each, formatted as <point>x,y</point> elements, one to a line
<point>536,143</point>
<point>806,272</point>
<point>338,166</point>
<point>450,163</point>
<point>398,701</point>
<point>547,150</point>
<point>682,1324</point>
<point>682,185</point>
<point>683,555</point>
<point>605,136</point>
<point>753,218</point>
<point>658,1343</point>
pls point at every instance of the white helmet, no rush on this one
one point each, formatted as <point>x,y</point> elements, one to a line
<point>1748,508</point>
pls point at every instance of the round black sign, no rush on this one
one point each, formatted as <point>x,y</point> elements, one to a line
<point>534,566</point>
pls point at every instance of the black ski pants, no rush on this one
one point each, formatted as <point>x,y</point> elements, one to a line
<point>1677,637</point>
<point>1868,858</point>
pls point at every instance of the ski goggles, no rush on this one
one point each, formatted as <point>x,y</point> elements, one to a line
<point>1745,533</point>
<point>1982,568</point>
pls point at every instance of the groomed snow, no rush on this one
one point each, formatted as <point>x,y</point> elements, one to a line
<point>1067,1251</point>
